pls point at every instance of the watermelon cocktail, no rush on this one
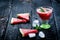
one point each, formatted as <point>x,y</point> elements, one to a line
<point>44,13</point>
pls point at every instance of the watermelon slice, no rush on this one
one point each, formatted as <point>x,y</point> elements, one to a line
<point>16,21</point>
<point>24,16</point>
<point>25,32</point>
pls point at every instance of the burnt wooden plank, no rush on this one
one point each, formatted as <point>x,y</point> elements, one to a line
<point>13,30</point>
<point>13,33</point>
<point>58,1</point>
<point>50,33</point>
<point>4,11</point>
<point>56,7</point>
<point>4,8</point>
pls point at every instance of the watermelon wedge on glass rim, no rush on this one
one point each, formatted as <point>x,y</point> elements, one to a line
<point>25,32</point>
<point>24,16</point>
<point>16,21</point>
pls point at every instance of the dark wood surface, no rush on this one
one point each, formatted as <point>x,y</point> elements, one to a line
<point>10,8</point>
<point>56,7</point>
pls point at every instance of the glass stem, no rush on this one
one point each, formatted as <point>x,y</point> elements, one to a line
<point>45,22</point>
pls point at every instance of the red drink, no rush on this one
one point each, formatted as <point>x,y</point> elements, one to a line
<point>44,15</point>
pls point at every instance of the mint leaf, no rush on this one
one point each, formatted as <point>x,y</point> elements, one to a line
<point>41,9</point>
<point>36,26</point>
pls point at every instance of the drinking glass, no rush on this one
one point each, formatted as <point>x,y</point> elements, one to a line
<point>44,13</point>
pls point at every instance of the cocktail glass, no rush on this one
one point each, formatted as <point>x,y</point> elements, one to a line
<point>45,14</point>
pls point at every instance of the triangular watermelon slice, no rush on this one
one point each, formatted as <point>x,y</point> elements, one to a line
<point>16,21</point>
<point>25,32</point>
<point>24,16</point>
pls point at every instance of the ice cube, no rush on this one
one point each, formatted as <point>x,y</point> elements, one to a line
<point>41,34</point>
<point>31,35</point>
<point>35,22</point>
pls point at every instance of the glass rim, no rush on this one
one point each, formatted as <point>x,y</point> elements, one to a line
<point>44,7</point>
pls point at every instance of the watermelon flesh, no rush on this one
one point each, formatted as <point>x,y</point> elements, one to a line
<point>25,32</point>
<point>24,16</point>
<point>16,21</point>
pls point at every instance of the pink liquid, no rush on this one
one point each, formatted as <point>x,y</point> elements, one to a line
<point>44,15</point>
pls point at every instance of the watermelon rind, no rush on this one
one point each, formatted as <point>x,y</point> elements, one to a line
<point>21,32</point>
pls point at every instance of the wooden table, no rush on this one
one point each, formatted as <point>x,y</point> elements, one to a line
<point>10,8</point>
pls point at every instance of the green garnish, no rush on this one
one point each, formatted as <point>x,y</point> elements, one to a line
<point>41,9</point>
<point>37,26</point>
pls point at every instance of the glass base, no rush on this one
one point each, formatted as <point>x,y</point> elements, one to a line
<point>45,26</point>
